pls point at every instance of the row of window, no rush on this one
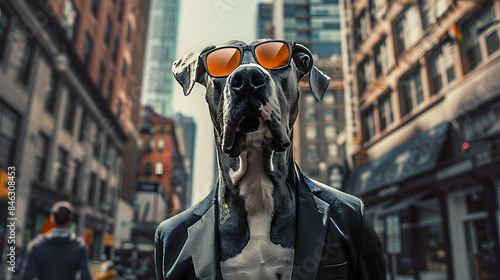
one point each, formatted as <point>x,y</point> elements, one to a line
<point>151,145</point>
<point>441,68</point>
<point>148,170</point>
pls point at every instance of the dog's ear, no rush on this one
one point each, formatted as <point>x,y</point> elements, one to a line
<point>318,82</point>
<point>188,70</point>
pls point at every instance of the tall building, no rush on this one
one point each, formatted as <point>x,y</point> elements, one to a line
<point>318,149</point>
<point>160,54</point>
<point>265,21</point>
<point>56,128</point>
<point>186,135</point>
<point>423,131</point>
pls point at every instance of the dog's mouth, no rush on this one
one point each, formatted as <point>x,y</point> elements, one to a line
<point>247,121</point>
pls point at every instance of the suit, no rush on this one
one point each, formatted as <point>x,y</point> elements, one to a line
<point>333,240</point>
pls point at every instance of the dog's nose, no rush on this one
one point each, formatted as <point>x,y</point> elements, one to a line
<point>247,80</point>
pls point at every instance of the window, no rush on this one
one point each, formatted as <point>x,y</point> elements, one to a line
<point>407,29</point>
<point>108,153</point>
<point>151,145</point>
<point>120,11</point>
<point>111,86</point>
<point>385,111</point>
<point>76,177</point>
<point>481,33</point>
<point>369,124</point>
<point>87,49</point>
<point>69,19</point>
<point>42,150</point>
<point>330,115</point>
<point>50,95</point>
<point>83,126</point>
<point>69,112</point>
<point>377,10</point>
<point>129,32</point>
<point>333,150</point>
<point>94,7</point>
<point>115,50</point>
<point>107,31</point>
<point>410,88</point>
<point>161,144</point>
<point>312,152</point>
<point>441,64</point>
<point>381,64</point>
<point>124,68</point>
<point>311,132</point>
<point>360,29</point>
<point>8,130</point>
<point>92,189</point>
<point>63,168</point>
<point>102,74</point>
<point>149,168</point>
<point>431,11</point>
<point>25,62</point>
<point>159,168</point>
<point>104,191</point>
<point>97,145</point>
<point>329,98</point>
<point>330,132</point>
<point>5,20</point>
<point>364,75</point>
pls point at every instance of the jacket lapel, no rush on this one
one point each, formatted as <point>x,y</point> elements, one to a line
<point>202,243</point>
<point>312,218</point>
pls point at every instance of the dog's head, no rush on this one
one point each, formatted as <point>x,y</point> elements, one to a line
<point>246,93</point>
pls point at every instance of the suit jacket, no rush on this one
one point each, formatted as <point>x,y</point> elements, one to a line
<point>333,240</point>
<point>56,257</point>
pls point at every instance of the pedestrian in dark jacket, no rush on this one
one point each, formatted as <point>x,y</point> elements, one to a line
<point>59,254</point>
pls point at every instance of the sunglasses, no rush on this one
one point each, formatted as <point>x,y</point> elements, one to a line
<point>221,62</point>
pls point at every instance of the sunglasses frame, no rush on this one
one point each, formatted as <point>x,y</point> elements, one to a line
<point>290,44</point>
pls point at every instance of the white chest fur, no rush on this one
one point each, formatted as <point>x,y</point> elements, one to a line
<point>260,259</point>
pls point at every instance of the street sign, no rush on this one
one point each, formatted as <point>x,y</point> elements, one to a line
<point>393,234</point>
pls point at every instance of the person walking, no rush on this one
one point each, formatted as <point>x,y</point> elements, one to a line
<point>59,254</point>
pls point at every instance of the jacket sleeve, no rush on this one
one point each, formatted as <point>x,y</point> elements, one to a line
<point>158,255</point>
<point>84,266</point>
<point>29,266</point>
<point>371,261</point>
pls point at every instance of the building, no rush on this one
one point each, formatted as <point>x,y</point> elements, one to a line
<point>160,54</point>
<point>265,21</point>
<point>423,131</point>
<point>160,159</point>
<point>56,128</point>
<point>318,149</point>
<point>186,132</point>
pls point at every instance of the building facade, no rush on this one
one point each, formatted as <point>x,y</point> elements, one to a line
<point>56,129</point>
<point>423,129</point>
<point>318,147</point>
<point>160,159</point>
<point>265,21</point>
<point>160,54</point>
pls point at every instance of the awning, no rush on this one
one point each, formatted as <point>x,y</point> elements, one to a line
<point>409,159</point>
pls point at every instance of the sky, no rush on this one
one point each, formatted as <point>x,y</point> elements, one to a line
<point>203,23</point>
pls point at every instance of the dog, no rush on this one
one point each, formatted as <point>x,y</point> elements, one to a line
<point>265,219</point>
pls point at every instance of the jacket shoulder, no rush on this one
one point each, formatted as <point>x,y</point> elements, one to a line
<point>335,197</point>
<point>182,221</point>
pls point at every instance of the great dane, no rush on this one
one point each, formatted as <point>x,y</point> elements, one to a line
<point>265,219</point>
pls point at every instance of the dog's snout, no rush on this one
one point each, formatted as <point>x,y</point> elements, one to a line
<point>248,80</point>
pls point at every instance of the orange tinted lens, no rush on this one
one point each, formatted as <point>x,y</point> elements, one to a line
<point>272,55</point>
<point>223,61</point>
